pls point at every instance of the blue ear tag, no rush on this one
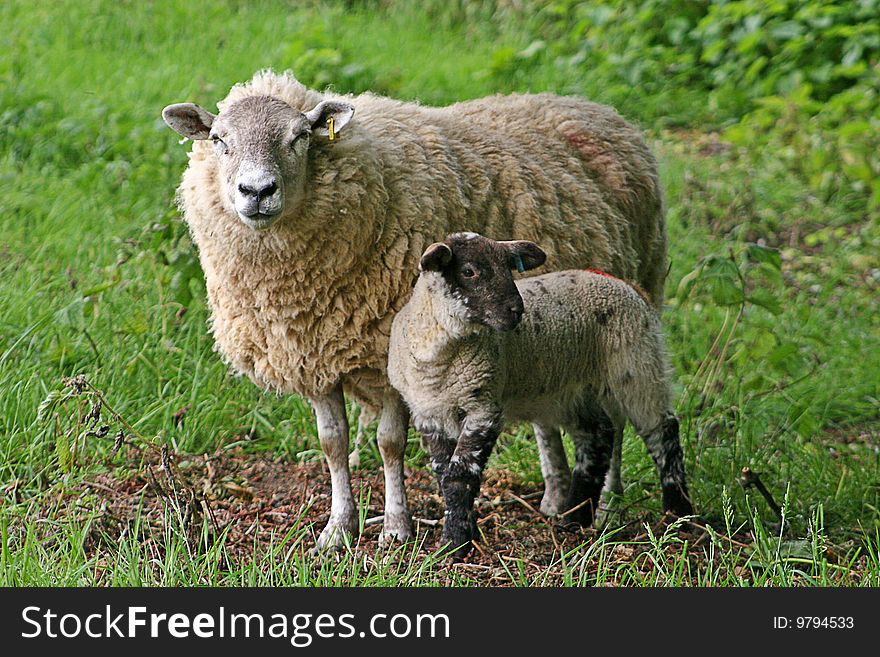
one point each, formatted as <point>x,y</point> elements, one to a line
<point>519,265</point>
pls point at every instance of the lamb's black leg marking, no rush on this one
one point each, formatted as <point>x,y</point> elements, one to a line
<point>593,438</point>
<point>664,446</point>
<point>441,448</point>
<point>461,481</point>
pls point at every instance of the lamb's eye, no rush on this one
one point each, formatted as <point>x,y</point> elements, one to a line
<point>468,272</point>
<point>297,139</point>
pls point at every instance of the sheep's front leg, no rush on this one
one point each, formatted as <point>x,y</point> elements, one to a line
<point>441,447</point>
<point>391,435</point>
<point>333,434</point>
<point>461,481</point>
<point>554,469</point>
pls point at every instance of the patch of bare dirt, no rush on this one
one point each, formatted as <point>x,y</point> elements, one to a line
<point>254,501</point>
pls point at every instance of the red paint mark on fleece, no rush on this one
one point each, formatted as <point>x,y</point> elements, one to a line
<point>604,273</point>
<point>634,286</point>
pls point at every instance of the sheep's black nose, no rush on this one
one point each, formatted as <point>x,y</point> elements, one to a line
<point>267,189</point>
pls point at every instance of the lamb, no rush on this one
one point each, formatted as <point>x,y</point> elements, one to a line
<point>473,350</point>
<point>310,211</point>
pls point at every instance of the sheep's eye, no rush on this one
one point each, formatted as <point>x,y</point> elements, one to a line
<point>468,272</point>
<point>219,144</point>
<point>295,140</point>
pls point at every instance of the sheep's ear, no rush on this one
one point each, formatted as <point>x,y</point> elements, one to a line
<point>435,257</point>
<point>320,117</point>
<point>524,255</point>
<point>189,120</point>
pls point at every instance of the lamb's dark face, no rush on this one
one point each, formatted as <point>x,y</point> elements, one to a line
<point>261,144</point>
<point>474,275</point>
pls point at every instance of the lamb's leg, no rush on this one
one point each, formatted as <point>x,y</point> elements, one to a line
<point>391,435</point>
<point>665,448</point>
<point>441,448</point>
<point>613,481</point>
<point>554,468</point>
<point>365,419</point>
<point>461,481</point>
<point>333,434</point>
<point>593,436</point>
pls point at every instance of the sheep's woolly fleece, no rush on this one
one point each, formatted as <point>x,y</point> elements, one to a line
<point>309,303</point>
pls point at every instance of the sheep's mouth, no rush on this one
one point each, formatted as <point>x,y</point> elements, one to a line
<point>258,220</point>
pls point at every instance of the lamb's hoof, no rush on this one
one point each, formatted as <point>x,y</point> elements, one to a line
<point>613,486</point>
<point>456,551</point>
<point>337,534</point>
<point>582,514</point>
<point>609,507</point>
<point>354,460</point>
<point>456,541</point>
<point>396,529</point>
<point>676,501</point>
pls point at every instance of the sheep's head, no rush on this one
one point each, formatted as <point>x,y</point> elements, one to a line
<point>472,275</point>
<point>261,144</point>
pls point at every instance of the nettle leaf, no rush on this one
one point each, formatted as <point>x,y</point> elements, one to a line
<point>765,254</point>
<point>723,280</point>
<point>765,299</point>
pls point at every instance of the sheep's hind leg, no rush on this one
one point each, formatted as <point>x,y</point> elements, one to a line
<point>333,434</point>
<point>365,419</point>
<point>391,435</point>
<point>613,482</point>
<point>613,487</point>
<point>554,468</point>
<point>593,436</point>
<point>665,448</point>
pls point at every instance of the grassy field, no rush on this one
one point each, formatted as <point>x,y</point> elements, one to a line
<point>159,467</point>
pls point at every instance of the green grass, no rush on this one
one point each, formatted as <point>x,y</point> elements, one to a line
<point>96,271</point>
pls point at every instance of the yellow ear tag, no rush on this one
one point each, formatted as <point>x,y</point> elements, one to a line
<point>330,128</point>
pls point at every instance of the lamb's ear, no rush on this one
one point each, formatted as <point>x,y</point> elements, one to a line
<point>319,117</point>
<point>189,120</point>
<point>524,255</point>
<point>435,257</point>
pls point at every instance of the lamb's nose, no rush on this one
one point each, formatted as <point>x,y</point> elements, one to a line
<point>262,191</point>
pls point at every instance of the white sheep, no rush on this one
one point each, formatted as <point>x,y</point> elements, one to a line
<point>473,350</point>
<point>309,224</point>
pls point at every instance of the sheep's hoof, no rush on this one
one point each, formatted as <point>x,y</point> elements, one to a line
<point>354,460</point>
<point>337,534</point>
<point>396,528</point>
<point>554,501</point>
